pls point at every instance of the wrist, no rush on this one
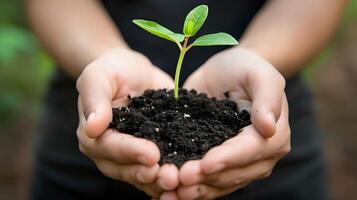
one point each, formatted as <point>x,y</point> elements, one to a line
<point>255,49</point>
<point>120,59</point>
<point>86,56</point>
<point>264,52</point>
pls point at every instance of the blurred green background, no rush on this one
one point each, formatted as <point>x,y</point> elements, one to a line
<point>25,69</point>
<point>24,66</point>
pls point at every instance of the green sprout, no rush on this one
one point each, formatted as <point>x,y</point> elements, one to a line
<point>193,22</point>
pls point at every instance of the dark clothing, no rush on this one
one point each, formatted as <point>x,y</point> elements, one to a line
<point>62,172</point>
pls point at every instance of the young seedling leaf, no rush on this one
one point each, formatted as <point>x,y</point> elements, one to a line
<point>158,30</point>
<point>215,39</point>
<point>194,20</point>
<point>192,25</point>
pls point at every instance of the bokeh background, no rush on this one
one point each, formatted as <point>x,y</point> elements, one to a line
<point>25,69</point>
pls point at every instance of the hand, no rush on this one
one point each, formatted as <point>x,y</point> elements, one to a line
<point>257,87</point>
<point>107,82</point>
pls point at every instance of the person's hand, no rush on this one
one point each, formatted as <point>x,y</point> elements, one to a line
<point>257,87</point>
<point>107,82</point>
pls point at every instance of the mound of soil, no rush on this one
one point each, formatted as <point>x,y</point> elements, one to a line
<point>184,129</point>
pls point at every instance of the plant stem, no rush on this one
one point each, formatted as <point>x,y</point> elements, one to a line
<point>183,51</point>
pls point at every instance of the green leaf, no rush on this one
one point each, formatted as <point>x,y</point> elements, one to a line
<point>158,30</point>
<point>215,39</point>
<point>194,20</point>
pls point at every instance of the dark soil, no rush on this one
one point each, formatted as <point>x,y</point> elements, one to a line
<point>184,129</point>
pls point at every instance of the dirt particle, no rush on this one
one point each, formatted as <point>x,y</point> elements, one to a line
<point>185,134</point>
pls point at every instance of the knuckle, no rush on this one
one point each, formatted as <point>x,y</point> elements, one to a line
<point>79,82</point>
<point>286,149</point>
<point>82,149</point>
<point>151,193</point>
<point>88,71</point>
<point>259,154</point>
<point>118,176</point>
<point>108,172</point>
<point>140,187</point>
<point>243,184</point>
<point>102,168</point>
<point>105,146</point>
<point>283,151</point>
<point>287,130</point>
<point>281,80</point>
<point>150,189</point>
<point>267,174</point>
<point>104,171</point>
<point>214,178</point>
<point>79,132</point>
<point>239,180</point>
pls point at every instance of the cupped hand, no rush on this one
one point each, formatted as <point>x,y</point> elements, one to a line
<point>257,87</point>
<point>104,83</point>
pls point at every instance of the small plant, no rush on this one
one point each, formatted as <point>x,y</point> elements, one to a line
<point>193,22</point>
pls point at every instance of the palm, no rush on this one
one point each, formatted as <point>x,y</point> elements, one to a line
<point>221,80</point>
<point>255,85</point>
<point>105,83</point>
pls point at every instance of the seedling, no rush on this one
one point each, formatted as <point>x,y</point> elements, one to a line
<point>193,22</point>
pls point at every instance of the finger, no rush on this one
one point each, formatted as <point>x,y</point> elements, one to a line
<point>128,173</point>
<point>266,89</point>
<point>249,147</point>
<point>237,176</point>
<point>82,118</point>
<point>170,195</point>
<point>202,192</point>
<point>168,177</point>
<point>119,147</point>
<point>191,173</point>
<point>244,149</point>
<point>162,80</point>
<point>124,149</point>
<point>152,189</point>
<point>95,92</point>
<point>242,100</point>
<point>195,82</point>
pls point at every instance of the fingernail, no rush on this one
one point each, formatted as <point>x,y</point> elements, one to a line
<point>140,177</point>
<point>162,184</point>
<point>216,168</point>
<point>91,116</point>
<point>142,160</point>
<point>271,117</point>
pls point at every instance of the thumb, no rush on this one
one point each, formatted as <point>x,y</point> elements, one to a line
<point>267,92</point>
<point>95,94</point>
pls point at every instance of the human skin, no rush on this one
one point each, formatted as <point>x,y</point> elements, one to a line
<point>90,49</point>
<point>284,35</point>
